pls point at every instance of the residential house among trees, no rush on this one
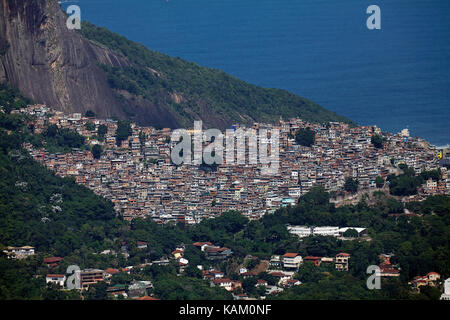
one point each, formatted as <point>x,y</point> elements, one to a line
<point>217,253</point>
<point>292,260</point>
<point>223,283</point>
<point>386,268</point>
<point>19,252</point>
<point>429,280</point>
<point>341,261</point>
<point>53,261</point>
<point>58,279</point>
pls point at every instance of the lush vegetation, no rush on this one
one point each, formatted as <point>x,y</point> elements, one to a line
<point>57,140</point>
<point>351,185</point>
<point>156,77</point>
<point>102,130</point>
<point>87,224</point>
<point>90,126</point>
<point>123,131</point>
<point>379,182</point>
<point>54,214</point>
<point>60,218</point>
<point>90,114</point>
<point>97,151</point>
<point>11,98</point>
<point>407,183</point>
<point>61,139</point>
<point>377,141</point>
<point>305,137</point>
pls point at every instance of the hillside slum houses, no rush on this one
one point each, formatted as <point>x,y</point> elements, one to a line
<point>139,178</point>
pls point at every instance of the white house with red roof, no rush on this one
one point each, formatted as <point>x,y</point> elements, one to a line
<point>110,272</point>
<point>225,283</point>
<point>260,283</point>
<point>58,279</point>
<point>292,282</point>
<point>292,260</point>
<point>202,245</point>
<point>281,276</point>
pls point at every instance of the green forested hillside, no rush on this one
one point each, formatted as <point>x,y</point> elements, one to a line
<point>192,91</point>
<point>40,209</point>
<point>61,218</point>
<point>11,98</point>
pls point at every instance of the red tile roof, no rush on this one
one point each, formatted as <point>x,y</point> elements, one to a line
<point>112,271</point>
<point>261,281</point>
<point>216,272</point>
<point>312,258</point>
<point>217,281</point>
<point>55,276</point>
<point>343,254</point>
<point>53,260</point>
<point>278,274</point>
<point>290,255</point>
<point>199,244</point>
<point>146,298</point>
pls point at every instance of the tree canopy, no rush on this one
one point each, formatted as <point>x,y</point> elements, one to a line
<point>305,137</point>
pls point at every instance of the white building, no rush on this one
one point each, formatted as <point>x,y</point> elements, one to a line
<point>446,294</point>
<point>305,231</point>
<point>58,279</point>
<point>273,290</point>
<point>300,231</point>
<point>294,192</point>
<point>19,252</point>
<point>326,231</point>
<point>404,133</point>
<point>223,283</point>
<point>292,260</point>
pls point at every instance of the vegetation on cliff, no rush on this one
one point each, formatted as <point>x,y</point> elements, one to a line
<point>188,88</point>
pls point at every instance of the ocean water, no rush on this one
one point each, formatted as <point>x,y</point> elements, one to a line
<point>395,78</point>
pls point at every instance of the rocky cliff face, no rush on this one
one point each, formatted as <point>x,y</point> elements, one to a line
<point>104,72</point>
<point>52,64</point>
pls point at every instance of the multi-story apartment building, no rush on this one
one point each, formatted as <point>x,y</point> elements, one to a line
<point>292,260</point>
<point>341,261</point>
<point>91,276</point>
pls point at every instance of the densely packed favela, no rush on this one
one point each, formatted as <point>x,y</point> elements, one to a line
<point>345,200</point>
<point>137,175</point>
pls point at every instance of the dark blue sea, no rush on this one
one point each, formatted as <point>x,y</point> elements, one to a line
<point>396,77</point>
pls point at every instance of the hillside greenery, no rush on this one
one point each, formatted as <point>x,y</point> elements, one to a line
<point>123,131</point>
<point>305,137</point>
<point>156,77</point>
<point>60,218</point>
<point>11,98</point>
<point>407,183</point>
